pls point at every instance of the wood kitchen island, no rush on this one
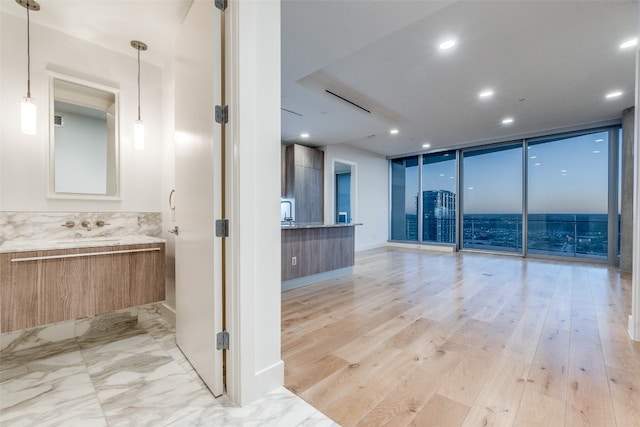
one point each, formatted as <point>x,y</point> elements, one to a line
<point>316,252</point>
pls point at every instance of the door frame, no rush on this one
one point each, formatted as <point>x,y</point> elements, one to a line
<point>252,184</point>
<point>354,187</point>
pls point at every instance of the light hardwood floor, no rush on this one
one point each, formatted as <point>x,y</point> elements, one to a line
<point>427,339</point>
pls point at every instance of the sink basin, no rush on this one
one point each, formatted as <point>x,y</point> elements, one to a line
<point>78,242</point>
<point>87,240</point>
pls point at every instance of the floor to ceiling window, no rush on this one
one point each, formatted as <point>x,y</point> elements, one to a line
<point>404,199</point>
<point>568,196</point>
<point>439,197</point>
<point>560,198</point>
<point>492,199</point>
<point>619,213</point>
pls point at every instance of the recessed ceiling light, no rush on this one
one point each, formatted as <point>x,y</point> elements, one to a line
<point>394,131</point>
<point>537,164</point>
<point>469,188</point>
<point>485,94</point>
<point>507,120</point>
<point>304,135</point>
<point>441,174</point>
<point>629,43</point>
<point>595,151</point>
<point>613,94</point>
<point>599,140</point>
<point>426,145</point>
<point>447,44</point>
<point>563,171</point>
<point>533,157</point>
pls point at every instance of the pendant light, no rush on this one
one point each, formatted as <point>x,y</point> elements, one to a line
<point>138,125</point>
<point>28,110</point>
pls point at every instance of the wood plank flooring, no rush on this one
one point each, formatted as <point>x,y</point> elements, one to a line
<point>464,339</point>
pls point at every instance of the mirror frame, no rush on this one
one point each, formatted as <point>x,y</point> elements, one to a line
<point>51,193</point>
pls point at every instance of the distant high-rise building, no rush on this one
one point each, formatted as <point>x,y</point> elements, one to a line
<point>439,216</point>
<point>412,222</point>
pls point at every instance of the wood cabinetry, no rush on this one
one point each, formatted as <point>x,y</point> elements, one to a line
<point>42,287</point>
<point>317,250</point>
<point>304,182</point>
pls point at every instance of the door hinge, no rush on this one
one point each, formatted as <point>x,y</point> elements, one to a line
<point>222,114</point>
<point>222,228</point>
<point>222,340</point>
<point>221,4</point>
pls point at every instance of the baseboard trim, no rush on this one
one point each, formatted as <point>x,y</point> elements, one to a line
<point>422,247</point>
<point>168,313</point>
<point>632,330</point>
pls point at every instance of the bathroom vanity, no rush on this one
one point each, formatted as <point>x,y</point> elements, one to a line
<point>44,282</point>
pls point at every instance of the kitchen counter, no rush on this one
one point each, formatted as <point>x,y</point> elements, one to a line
<point>286,226</point>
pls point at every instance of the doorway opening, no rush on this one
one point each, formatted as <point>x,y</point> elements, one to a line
<point>344,185</point>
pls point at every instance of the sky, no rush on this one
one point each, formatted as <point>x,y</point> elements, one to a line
<point>565,176</point>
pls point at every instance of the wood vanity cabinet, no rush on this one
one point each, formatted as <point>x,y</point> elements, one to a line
<point>42,287</point>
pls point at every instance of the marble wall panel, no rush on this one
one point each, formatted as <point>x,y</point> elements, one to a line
<point>49,225</point>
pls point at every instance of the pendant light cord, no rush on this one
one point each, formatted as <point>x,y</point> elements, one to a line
<point>138,84</point>
<point>28,55</point>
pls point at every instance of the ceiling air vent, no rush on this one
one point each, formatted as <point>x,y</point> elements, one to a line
<point>346,100</point>
<point>57,120</point>
<point>292,112</point>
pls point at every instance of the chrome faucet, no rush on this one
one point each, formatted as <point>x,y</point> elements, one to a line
<point>290,217</point>
<point>86,224</point>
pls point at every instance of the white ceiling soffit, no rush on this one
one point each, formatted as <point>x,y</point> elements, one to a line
<point>113,23</point>
<point>549,63</point>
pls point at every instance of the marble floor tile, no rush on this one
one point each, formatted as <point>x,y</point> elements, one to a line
<point>20,358</point>
<point>53,391</point>
<point>118,372</point>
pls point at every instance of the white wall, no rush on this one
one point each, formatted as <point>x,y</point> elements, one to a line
<point>24,159</point>
<point>372,193</point>
<point>634,316</point>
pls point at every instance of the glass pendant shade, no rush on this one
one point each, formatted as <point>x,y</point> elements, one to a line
<point>28,112</point>
<point>138,135</point>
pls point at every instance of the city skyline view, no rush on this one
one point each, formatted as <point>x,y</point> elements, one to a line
<point>566,211</point>
<point>568,175</point>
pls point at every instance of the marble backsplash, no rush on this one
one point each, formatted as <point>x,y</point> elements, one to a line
<point>49,225</point>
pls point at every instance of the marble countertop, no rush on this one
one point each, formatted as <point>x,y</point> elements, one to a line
<point>315,225</point>
<point>86,242</point>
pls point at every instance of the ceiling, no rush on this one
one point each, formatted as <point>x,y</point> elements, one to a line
<point>549,63</point>
<point>113,23</point>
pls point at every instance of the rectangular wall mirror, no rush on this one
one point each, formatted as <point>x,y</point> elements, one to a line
<point>83,156</point>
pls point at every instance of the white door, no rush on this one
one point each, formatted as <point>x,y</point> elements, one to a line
<point>198,192</point>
